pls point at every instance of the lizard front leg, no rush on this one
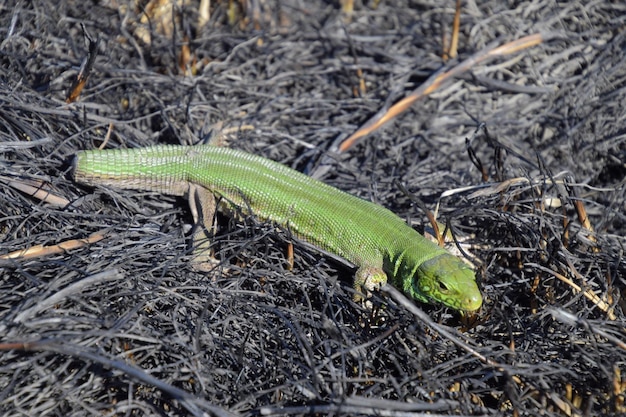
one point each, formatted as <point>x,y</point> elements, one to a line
<point>366,280</point>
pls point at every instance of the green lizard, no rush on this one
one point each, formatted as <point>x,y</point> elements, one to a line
<point>379,243</point>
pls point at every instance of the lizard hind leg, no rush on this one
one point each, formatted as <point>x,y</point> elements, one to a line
<point>367,280</point>
<point>203,206</point>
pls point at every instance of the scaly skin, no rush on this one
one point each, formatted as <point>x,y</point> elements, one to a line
<point>367,235</point>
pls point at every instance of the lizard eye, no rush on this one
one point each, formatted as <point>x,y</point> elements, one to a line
<point>443,287</point>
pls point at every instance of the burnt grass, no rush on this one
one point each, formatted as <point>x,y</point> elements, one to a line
<point>524,156</point>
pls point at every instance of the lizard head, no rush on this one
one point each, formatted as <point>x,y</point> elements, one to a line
<point>448,280</point>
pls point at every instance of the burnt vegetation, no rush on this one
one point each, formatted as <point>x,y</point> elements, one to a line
<point>524,156</point>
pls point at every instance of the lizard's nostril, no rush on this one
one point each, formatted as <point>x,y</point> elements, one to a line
<point>473,302</point>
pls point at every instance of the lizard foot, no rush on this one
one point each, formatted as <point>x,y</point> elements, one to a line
<point>367,280</point>
<point>204,261</point>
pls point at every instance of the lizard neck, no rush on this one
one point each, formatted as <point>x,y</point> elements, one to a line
<point>403,259</point>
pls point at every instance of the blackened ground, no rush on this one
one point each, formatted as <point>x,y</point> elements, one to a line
<point>125,326</point>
